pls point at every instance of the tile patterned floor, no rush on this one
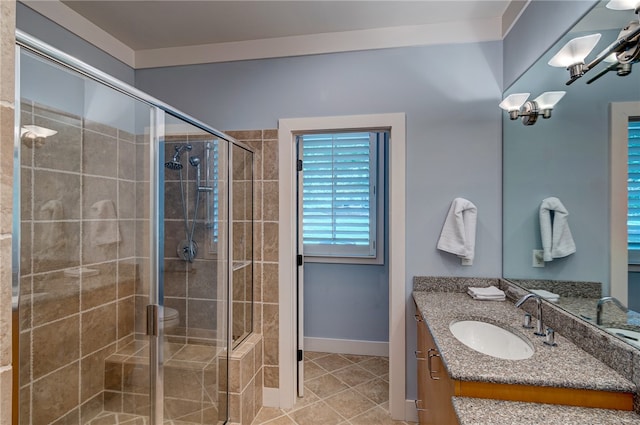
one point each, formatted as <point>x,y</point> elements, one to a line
<point>340,389</point>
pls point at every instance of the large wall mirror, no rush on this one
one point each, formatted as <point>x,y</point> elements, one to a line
<point>580,156</point>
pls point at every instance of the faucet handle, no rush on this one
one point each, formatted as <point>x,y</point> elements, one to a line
<point>526,323</point>
<point>550,338</point>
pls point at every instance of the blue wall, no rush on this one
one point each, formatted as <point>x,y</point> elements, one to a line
<point>453,141</point>
<point>53,34</point>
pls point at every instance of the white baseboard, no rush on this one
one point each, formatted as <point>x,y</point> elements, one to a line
<point>410,411</point>
<point>347,346</point>
<point>270,397</point>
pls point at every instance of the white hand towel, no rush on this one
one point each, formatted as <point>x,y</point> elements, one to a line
<point>550,296</point>
<point>104,230</point>
<point>481,298</point>
<point>458,234</point>
<point>489,291</point>
<point>557,241</point>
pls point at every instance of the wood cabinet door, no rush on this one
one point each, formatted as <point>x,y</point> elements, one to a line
<point>435,387</point>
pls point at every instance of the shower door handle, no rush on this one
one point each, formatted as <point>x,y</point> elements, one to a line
<point>152,320</point>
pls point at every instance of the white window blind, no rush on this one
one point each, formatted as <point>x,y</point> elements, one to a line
<point>633,187</point>
<point>340,194</point>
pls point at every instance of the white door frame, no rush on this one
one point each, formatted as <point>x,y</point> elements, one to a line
<point>287,129</point>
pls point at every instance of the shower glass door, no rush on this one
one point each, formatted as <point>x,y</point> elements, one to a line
<point>121,252</point>
<point>196,273</point>
<point>82,264</point>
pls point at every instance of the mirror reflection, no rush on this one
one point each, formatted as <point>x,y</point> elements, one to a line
<point>571,177</point>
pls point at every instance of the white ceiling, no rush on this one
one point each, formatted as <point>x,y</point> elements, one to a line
<point>171,32</point>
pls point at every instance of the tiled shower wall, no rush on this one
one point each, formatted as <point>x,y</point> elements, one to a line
<point>7,104</point>
<point>78,262</point>
<point>192,289</point>
<point>265,145</point>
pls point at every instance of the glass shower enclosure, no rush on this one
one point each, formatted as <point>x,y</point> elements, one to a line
<point>123,256</point>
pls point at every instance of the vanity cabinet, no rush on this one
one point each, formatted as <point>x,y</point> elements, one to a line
<point>435,387</point>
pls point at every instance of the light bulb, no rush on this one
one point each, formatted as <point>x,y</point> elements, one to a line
<point>514,102</point>
<point>548,99</point>
<point>575,51</point>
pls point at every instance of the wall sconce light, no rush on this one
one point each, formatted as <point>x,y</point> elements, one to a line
<point>573,54</point>
<point>517,106</point>
<point>625,50</point>
<point>34,135</point>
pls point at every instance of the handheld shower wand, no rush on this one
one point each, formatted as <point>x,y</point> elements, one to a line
<point>195,161</point>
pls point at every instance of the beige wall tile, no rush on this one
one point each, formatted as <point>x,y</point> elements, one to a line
<point>55,394</point>
<point>6,174</point>
<point>270,241</point>
<point>270,291</point>
<point>55,296</point>
<point>98,328</point>
<point>234,376</point>
<point>271,376</point>
<point>270,201</point>
<point>55,195</point>
<point>271,351</point>
<point>247,368</point>
<point>270,317</point>
<point>126,160</point>
<point>92,373</point>
<point>183,380</point>
<point>100,288</point>
<point>5,395</point>
<point>270,134</point>
<point>137,404</point>
<point>270,160</point>
<point>62,151</point>
<point>5,294</point>
<point>245,135</point>
<point>248,403</point>
<point>100,154</point>
<point>55,345</point>
<point>91,408</point>
<point>126,317</point>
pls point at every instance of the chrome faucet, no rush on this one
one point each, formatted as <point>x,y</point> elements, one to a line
<point>539,328</point>
<point>601,303</point>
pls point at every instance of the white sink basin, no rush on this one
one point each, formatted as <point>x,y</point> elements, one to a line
<point>491,340</point>
<point>631,337</point>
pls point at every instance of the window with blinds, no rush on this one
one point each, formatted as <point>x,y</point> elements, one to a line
<point>340,194</point>
<point>633,192</point>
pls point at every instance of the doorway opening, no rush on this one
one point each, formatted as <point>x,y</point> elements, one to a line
<point>288,354</point>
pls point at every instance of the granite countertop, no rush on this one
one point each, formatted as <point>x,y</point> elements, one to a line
<point>565,365</point>
<point>475,411</point>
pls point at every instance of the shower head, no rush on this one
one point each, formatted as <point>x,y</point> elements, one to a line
<point>175,163</point>
<point>194,160</point>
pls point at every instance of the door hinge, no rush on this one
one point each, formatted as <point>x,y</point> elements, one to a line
<point>300,355</point>
<point>299,259</point>
<point>152,320</point>
<point>299,166</point>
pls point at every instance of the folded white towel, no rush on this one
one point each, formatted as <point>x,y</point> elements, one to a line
<point>546,294</point>
<point>487,297</point>
<point>458,234</point>
<point>557,241</point>
<point>104,230</point>
<point>489,291</point>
